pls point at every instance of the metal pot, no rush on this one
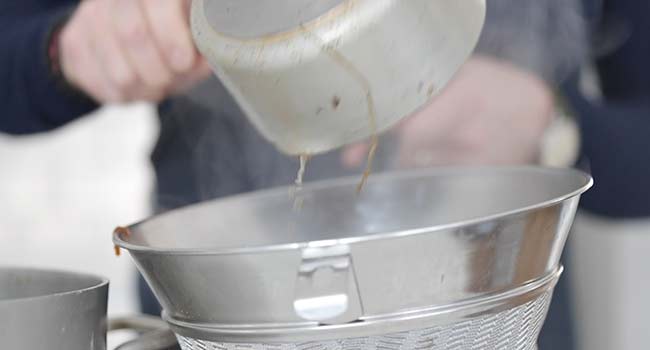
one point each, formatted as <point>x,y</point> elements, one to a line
<point>313,75</point>
<point>414,250</point>
<point>42,309</point>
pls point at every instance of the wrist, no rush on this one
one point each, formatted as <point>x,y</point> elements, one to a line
<point>53,53</point>
<point>55,64</point>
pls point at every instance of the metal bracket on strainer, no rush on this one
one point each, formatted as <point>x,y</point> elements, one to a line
<point>326,287</point>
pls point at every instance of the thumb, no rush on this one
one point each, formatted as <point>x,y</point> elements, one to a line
<point>200,72</point>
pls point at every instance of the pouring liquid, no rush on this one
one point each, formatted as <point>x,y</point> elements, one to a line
<point>361,79</point>
<point>374,143</point>
<point>298,198</point>
<point>372,113</point>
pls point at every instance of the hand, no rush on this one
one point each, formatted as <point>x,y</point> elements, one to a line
<point>491,113</point>
<point>126,50</point>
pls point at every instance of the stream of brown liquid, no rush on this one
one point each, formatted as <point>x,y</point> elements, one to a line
<point>374,143</point>
<point>365,84</point>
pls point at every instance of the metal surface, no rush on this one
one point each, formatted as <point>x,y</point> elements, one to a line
<point>429,246</point>
<point>326,287</point>
<point>437,316</point>
<point>315,75</point>
<point>154,333</point>
<point>42,309</point>
<point>162,339</point>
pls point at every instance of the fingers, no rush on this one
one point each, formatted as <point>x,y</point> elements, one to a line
<point>121,78</point>
<point>131,26</point>
<point>79,61</point>
<point>169,26</point>
<point>126,50</point>
<point>199,72</point>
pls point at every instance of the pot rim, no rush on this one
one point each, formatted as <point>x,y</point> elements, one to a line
<point>98,282</point>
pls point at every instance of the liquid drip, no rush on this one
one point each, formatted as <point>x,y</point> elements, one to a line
<point>298,198</point>
<point>365,85</point>
<point>374,142</point>
<point>301,171</point>
<point>121,232</point>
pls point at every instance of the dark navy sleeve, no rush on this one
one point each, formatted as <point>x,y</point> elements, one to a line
<point>616,129</point>
<point>625,72</point>
<point>616,150</point>
<point>33,99</point>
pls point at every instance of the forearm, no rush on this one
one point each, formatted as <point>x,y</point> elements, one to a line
<point>32,96</point>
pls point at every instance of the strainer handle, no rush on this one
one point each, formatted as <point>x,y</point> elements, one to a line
<point>326,286</point>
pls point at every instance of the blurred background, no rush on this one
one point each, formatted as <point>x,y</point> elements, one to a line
<point>63,192</point>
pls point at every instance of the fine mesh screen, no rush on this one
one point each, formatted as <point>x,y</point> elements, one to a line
<point>514,329</point>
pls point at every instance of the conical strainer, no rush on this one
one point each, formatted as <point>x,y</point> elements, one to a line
<point>459,258</point>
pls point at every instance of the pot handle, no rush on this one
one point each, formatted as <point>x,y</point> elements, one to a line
<point>155,334</point>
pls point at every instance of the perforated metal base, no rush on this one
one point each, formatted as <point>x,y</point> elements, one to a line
<point>514,329</point>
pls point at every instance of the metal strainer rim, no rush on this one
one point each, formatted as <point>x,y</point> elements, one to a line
<point>587,182</point>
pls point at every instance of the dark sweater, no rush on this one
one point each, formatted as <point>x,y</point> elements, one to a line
<point>33,99</point>
<point>616,130</point>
